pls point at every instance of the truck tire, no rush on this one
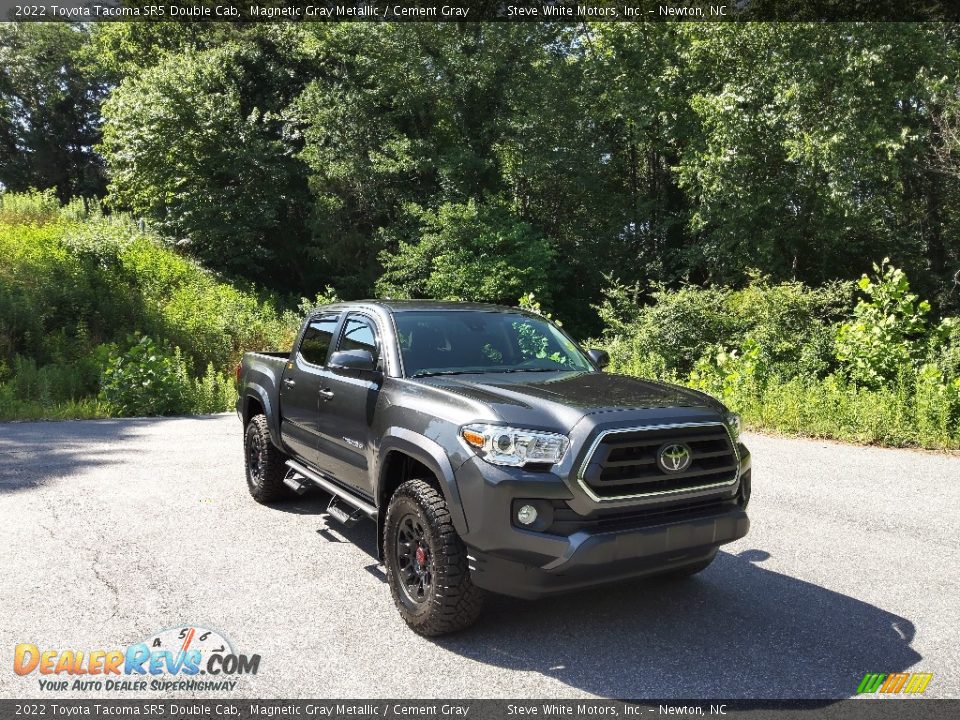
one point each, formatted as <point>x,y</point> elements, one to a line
<point>426,563</point>
<point>265,464</point>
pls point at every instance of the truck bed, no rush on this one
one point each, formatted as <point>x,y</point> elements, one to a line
<point>262,372</point>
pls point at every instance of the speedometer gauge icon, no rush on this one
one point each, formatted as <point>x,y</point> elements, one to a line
<point>190,637</point>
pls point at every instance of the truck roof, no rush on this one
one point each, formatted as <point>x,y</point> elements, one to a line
<point>405,305</point>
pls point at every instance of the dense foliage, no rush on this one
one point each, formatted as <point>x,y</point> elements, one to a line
<point>74,288</point>
<point>147,379</point>
<point>703,196</point>
<point>196,145</point>
<point>49,110</point>
<point>804,360</point>
<point>301,155</point>
<point>99,318</point>
<point>468,252</point>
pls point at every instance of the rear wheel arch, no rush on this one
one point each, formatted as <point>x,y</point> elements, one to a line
<point>256,401</point>
<point>251,406</point>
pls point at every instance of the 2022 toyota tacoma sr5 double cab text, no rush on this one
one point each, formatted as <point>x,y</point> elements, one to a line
<point>492,452</point>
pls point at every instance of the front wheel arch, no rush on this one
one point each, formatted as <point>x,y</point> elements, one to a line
<point>432,456</point>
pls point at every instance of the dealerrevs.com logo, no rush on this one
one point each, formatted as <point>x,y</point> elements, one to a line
<point>184,658</point>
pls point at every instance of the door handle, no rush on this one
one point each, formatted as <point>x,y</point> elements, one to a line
<point>326,393</point>
<point>289,382</point>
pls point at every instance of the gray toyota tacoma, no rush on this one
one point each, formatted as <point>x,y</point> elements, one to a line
<point>492,452</point>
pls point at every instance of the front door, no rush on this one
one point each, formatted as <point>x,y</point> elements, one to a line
<point>347,406</point>
<point>303,378</point>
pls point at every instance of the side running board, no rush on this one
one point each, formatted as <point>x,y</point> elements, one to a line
<point>339,493</point>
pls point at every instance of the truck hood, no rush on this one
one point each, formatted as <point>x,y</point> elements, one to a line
<point>565,397</point>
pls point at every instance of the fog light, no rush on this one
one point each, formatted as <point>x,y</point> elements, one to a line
<point>527,515</point>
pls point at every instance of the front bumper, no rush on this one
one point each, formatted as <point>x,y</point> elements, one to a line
<point>512,560</point>
<point>593,559</point>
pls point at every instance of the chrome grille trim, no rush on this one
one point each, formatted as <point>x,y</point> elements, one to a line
<point>641,428</point>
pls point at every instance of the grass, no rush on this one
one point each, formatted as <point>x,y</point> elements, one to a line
<point>75,286</point>
<point>830,409</point>
<point>84,409</point>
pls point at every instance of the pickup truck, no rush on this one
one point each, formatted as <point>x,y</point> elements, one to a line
<point>492,452</point>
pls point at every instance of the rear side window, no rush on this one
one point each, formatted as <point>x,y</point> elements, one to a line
<point>317,338</point>
<point>359,334</point>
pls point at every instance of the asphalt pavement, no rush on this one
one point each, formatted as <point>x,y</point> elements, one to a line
<point>113,530</point>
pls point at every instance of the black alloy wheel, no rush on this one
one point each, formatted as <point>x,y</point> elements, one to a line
<point>265,463</point>
<point>426,562</point>
<point>413,559</point>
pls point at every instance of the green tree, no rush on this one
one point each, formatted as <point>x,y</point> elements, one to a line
<point>639,98</point>
<point>656,154</point>
<point>812,148</point>
<point>469,252</point>
<point>119,49</point>
<point>49,110</point>
<point>198,144</point>
<point>420,114</point>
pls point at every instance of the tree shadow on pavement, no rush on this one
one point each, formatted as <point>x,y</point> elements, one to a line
<point>34,453</point>
<point>736,630</point>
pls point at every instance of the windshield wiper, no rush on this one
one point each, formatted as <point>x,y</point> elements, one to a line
<point>535,370</point>
<point>432,373</point>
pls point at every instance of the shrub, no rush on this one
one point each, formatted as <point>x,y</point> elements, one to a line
<point>212,393</point>
<point>944,347</point>
<point>152,379</point>
<point>787,326</point>
<point>886,331</point>
<point>937,405</point>
<point>678,327</point>
<point>146,379</point>
<point>773,353</point>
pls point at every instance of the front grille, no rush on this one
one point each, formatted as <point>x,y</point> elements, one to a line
<point>566,521</point>
<point>624,463</point>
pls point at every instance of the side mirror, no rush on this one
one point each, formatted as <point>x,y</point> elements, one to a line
<point>356,360</point>
<point>601,358</point>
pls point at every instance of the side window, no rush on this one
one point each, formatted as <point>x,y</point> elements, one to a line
<point>359,333</point>
<point>317,338</point>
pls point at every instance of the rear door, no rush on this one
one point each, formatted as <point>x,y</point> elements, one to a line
<point>346,412</point>
<point>303,377</point>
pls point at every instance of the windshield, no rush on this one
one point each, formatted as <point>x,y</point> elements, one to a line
<point>474,341</point>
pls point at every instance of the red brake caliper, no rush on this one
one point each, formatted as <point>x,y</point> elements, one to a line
<point>421,557</point>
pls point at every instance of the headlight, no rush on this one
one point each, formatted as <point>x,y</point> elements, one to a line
<point>733,423</point>
<point>512,446</point>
